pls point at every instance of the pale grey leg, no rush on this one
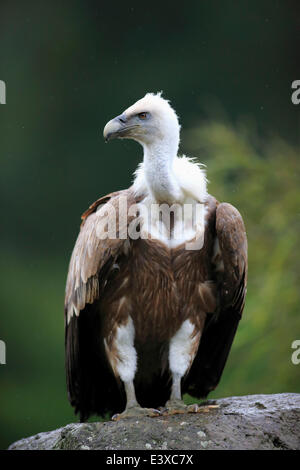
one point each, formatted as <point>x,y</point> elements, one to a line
<point>176,387</point>
<point>130,395</point>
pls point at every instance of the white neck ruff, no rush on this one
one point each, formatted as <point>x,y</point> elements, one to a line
<point>184,175</point>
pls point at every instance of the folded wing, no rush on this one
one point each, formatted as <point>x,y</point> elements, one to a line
<point>221,326</point>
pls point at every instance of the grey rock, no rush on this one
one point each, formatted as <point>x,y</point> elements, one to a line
<point>249,422</point>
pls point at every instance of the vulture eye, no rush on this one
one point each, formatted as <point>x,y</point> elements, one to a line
<point>143,115</point>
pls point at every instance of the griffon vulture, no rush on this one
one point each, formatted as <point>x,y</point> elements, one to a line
<point>151,309</point>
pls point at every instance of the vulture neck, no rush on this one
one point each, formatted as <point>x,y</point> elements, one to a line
<point>159,174</point>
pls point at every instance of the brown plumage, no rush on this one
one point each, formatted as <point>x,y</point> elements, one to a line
<point>152,289</point>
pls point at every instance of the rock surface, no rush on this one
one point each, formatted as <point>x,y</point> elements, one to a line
<point>249,422</point>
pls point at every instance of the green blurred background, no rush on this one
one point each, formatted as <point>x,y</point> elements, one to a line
<point>69,67</point>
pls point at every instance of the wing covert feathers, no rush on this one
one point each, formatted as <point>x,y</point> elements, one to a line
<point>232,238</point>
<point>93,254</point>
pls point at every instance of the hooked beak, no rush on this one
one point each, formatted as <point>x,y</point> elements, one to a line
<point>117,128</point>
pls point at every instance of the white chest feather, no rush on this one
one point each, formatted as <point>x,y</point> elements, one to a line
<point>173,224</point>
<point>181,220</point>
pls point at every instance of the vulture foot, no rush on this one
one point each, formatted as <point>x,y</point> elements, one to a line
<point>195,408</point>
<point>173,407</point>
<point>136,412</point>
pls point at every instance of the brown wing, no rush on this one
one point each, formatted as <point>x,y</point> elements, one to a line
<point>91,385</point>
<point>220,327</point>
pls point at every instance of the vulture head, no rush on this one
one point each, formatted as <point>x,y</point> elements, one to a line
<point>151,121</point>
